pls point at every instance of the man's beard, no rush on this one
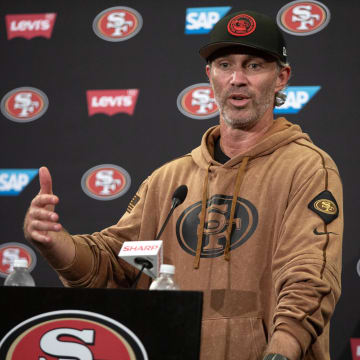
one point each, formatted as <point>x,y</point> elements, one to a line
<point>246,117</point>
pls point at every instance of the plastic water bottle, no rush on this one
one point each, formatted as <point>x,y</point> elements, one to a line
<point>20,276</point>
<point>165,281</point>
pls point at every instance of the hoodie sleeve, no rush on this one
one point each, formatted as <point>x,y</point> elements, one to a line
<point>96,262</point>
<point>307,257</point>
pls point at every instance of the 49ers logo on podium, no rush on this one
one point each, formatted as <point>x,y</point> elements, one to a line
<point>303,18</point>
<point>198,102</point>
<point>24,104</point>
<point>71,334</point>
<point>118,23</point>
<point>106,182</point>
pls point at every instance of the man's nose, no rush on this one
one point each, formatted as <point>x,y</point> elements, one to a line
<point>238,78</point>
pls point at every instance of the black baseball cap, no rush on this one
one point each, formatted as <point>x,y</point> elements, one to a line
<point>246,28</point>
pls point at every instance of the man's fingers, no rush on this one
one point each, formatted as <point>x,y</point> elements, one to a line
<point>41,225</point>
<point>45,181</point>
<point>40,237</point>
<point>42,214</point>
<point>42,200</point>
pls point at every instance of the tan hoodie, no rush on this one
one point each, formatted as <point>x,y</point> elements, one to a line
<point>277,267</point>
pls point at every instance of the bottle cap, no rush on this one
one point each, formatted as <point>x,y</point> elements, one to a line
<point>167,269</point>
<point>23,263</point>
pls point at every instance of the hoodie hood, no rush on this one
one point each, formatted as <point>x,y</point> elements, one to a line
<point>282,132</point>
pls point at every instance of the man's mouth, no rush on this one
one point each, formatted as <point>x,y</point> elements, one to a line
<point>238,99</point>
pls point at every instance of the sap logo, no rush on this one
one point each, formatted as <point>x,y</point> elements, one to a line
<point>13,182</point>
<point>296,98</point>
<point>202,20</point>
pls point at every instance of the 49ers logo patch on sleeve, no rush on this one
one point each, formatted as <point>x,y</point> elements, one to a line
<point>24,104</point>
<point>325,206</point>
<point>198,102</point>
<point>71,334</point>
<point>118,23</point>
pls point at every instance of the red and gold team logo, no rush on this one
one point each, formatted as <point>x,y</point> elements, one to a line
<point>9,252</point>
<point>71,334</point>
<point>106,182</point>
<point>241,25</point>
<point>198,102</point>
<point>303,18</point>
<point>118,23</point>
<point>24,104</point>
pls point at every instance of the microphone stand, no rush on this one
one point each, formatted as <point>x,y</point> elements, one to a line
<point>145,264</point>
<point>174,204</point>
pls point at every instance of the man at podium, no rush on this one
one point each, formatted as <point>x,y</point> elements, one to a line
<point>260,230</point>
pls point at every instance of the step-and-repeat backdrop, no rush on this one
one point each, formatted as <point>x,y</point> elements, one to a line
<point>103,92</point>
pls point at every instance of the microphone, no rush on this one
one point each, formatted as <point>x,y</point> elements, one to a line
<point>146,256</point>
<point>177,199</point>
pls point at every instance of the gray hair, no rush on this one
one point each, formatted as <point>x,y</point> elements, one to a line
<point>280,96</point>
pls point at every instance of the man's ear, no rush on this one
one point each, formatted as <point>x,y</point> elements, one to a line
<point>283,78</point>
<point>207,70</point>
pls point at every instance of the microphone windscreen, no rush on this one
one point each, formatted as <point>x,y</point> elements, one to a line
<point>180,193</point>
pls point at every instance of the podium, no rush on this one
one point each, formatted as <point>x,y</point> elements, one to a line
<point>92,324</point>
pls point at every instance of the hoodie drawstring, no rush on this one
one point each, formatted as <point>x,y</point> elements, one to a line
<point>200,232</point>
<point>239,179</point>
<point>201,226</point>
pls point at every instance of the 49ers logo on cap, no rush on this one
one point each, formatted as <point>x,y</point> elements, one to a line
<point>198,102</point>
<point>9,252</point>
<point>24,104</point>
<point>106,182</point>
<point>241,25</point>
<point>303,18</point>
<point>118,23</point>
<point>71,334</point>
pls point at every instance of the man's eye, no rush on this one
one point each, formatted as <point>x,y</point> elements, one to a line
<point>224,65</point>
<point>253,66</point>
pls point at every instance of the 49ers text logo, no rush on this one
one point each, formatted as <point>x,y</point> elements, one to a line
<point>9,252</point>
<point>71,334</point>
<point>303,18</point>
<point>217,221</point>
<point>106,182</point>
<point>111,102</point>
<point>29,26</point>
<point>198,102</point>
<point>24,104</point>
<point>118,23</point>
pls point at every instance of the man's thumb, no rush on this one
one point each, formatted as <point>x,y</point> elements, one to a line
<point>45,181</point>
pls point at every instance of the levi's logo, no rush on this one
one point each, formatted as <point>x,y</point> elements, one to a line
<point>29,26</point>
<point>111,102</point>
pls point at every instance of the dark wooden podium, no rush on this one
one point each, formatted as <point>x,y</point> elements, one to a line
<point>103,324</point>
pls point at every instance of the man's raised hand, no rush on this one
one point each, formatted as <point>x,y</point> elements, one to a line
<point>41,220</point>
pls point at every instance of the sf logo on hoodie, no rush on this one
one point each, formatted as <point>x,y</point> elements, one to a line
<point>217,221</point>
